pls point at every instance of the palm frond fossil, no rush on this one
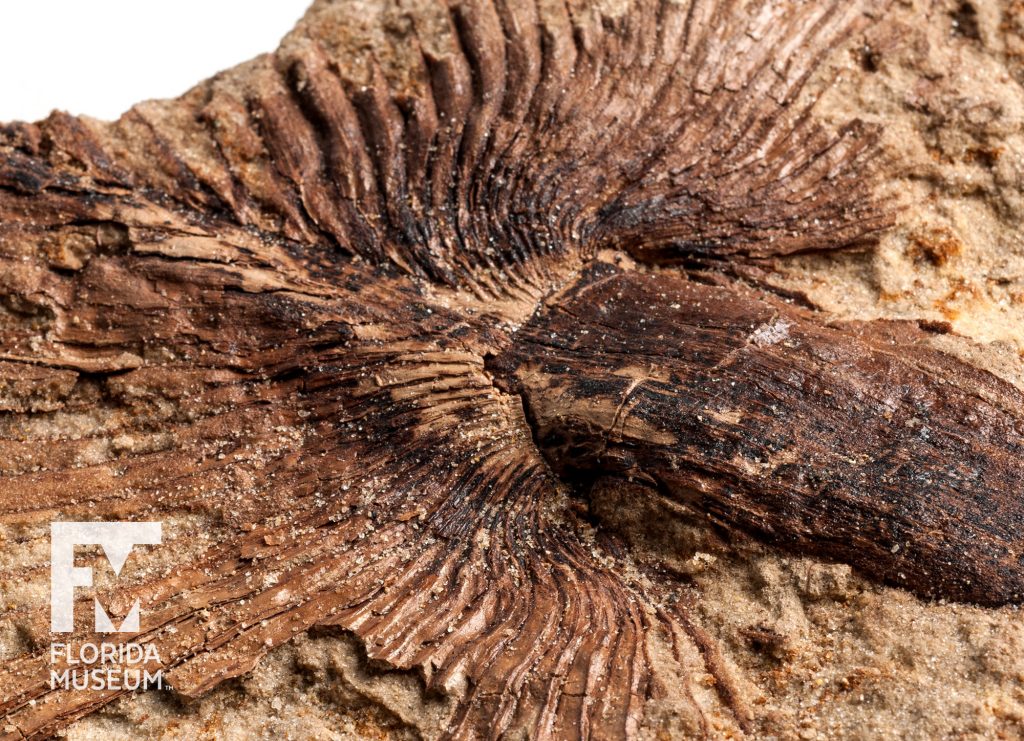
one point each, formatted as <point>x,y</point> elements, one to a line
<point>388,299</point>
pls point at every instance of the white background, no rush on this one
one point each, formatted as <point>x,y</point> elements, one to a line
<point>98,57</point>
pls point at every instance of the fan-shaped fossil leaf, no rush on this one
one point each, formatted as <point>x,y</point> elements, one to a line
<point>369,299</point>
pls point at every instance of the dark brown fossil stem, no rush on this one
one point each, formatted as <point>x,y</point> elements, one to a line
<point>853,441</point>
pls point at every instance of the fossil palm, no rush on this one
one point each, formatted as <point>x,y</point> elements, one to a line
<point>378,300</point>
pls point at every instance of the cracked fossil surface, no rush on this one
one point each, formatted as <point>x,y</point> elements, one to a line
<point>389,303</point>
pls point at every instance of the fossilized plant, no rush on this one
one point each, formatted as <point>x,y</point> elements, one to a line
<point>387,300</point>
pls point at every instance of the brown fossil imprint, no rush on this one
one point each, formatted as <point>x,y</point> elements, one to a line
<point>383,302</point>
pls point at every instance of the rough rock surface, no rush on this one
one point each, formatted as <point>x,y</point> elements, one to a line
<point>786,646</point>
